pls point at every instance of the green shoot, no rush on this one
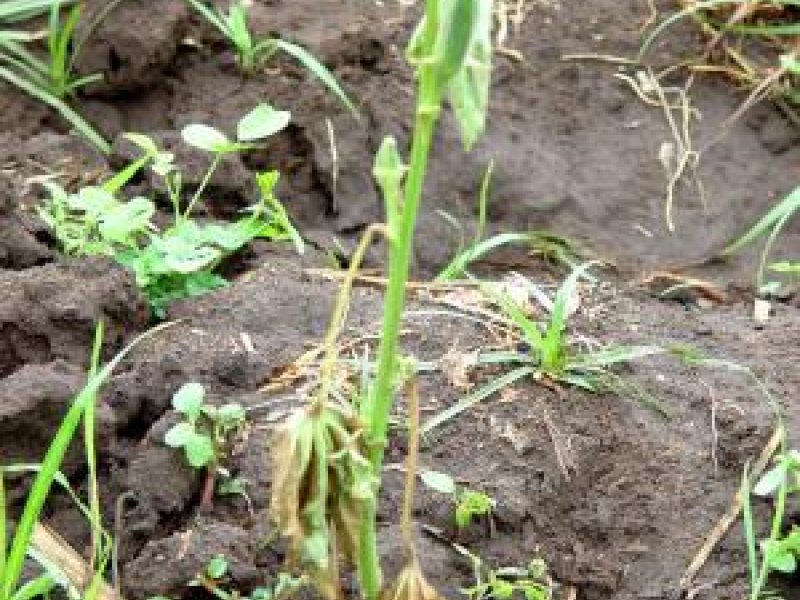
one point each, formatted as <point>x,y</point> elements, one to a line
<point>14,550</point>
<point>251,52</point>
<point>205,432</point>
<point>451,50</point>
<point>212,579</point>
<point>53,80</point>
<point>546,353</point>
<point>468,503</point>
<point>179,261</point>
<point>770,225</point>
<point>532,582</point>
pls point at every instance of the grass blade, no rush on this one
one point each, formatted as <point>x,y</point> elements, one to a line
<point>212,16</point>
<point>318,69</point>
<point>788,205</point>
<point>50,466</point>
<point>3,532</point>
<point>72,117</point>
<point>749,529</point>
<point>13,11</point>
<point>91,451</point>
<point>480,394</point>
<point>38,588</point>
<point>474,252</point>
<point>608,357</point>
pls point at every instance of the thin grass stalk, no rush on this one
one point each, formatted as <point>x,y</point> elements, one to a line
<point>91,452</point>
<point>49,469</point>
<point>3,532</point>
<point>400,244</point>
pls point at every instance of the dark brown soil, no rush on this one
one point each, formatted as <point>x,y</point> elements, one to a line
<point>615,497</point>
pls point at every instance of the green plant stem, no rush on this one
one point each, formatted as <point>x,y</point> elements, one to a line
<point>203,184</point>
<point>401,234</point>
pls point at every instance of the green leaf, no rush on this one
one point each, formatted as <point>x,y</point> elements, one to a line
<point>787,206</point>
<point>770,481</point>
<point>438,482</point>
<point>217,567</point>
<point>126,220</point>
<point>205,138</point>
<point>199,450</point>
<point>189,399</point>
<point>779,558</point>
<point>261,122</point>
<point>179,435</point>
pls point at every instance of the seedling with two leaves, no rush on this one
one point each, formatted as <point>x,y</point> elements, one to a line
<point>179,261</point>
<point>468,503</point>
<point>251,52</point>
<point>205,432</point>
<point>52,79</point>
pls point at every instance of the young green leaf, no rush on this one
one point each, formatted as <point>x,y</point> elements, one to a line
<point>179,435</point>
<point>205,138</point>
<point>438,482</point>
<point>199,450</point>
<point>189,399</point>
<point>261,122</point>
<point>217,567</point>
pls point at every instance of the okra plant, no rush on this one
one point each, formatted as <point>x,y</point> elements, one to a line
<point>327,458</point>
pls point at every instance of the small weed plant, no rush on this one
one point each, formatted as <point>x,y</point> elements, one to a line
<point>780,551</point>
<point>546,353</point>
<point>204,434</point>
<point>252,52</point>
<point>51,79</point>
<point>531,582</point>
<point>179,261</point>
<point>468,503</point>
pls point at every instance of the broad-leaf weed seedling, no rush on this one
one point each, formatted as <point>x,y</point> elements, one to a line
<point>179,261</point>
<point>468,503</point>
<point>213,577</point>
<point>251,51</point>
<point>52,80</point>
<point>532,582</point>
<point>15,548</point>
<point>205,432</point>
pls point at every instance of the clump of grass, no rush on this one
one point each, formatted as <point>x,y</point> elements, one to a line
<point>252,52</point>
<point>546,353</point>
<point>51,79</point>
